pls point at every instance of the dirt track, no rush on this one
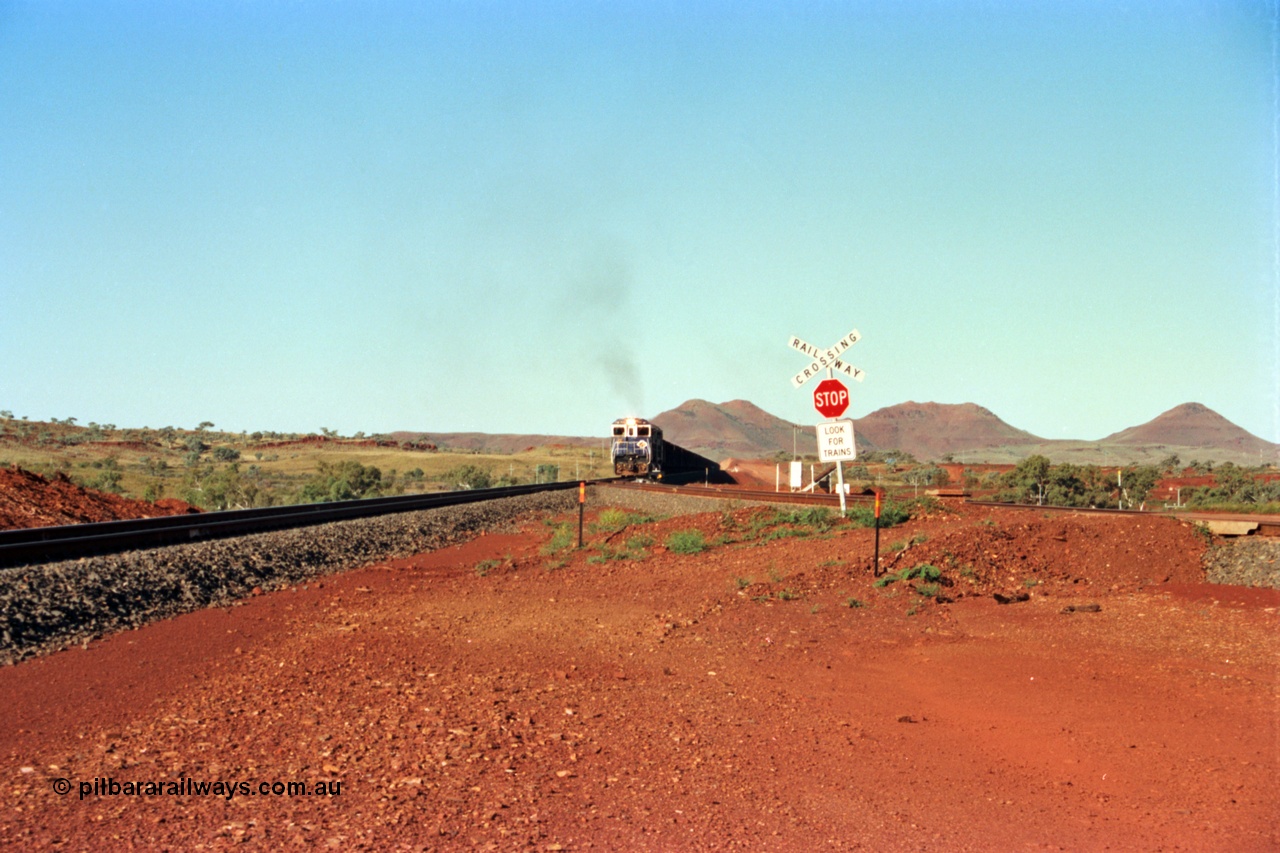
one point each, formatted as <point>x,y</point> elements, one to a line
<point>490,695</point>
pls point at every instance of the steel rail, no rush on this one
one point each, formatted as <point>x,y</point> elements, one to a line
<point>730,493</point>
<point>1055,508</point>
<point>44,544</point>
<point>1267,525</point>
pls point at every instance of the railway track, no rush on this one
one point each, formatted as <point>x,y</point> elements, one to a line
<point>1266,525</point>
<point>730,493</point>
<point>45,544</point>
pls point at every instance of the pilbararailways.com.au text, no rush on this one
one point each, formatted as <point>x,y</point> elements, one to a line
<point>186,787</point>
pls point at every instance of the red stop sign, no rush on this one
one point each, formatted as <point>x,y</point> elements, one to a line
<point>830,398</point>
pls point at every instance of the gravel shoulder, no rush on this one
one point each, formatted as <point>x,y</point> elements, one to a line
<point>1252,561</point>
<point>51,606</point>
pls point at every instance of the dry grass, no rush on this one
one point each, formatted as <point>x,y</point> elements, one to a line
<point>282,467</point>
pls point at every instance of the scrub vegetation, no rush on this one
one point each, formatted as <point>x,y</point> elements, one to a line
<point>227,470</point>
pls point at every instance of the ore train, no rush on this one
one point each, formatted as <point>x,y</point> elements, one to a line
<point>638,449</point>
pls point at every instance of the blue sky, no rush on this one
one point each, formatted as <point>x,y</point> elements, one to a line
<point>538,217</point>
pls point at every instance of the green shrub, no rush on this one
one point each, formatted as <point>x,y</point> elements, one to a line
<point>613,519</point>
<point>686,542</point>
<point>816,517</point>
<point>561,538</point>
<point>785,533</point>
<point>923,571</point>
<point>107,481</point>
<point>468,477</point>
<point>341,481</point>
<point>864,515</point>
<point>926,571</point>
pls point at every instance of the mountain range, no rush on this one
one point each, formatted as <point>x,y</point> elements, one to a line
<point>965,432</point>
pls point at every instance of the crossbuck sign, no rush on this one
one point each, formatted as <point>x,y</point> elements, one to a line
<point>825,359</point>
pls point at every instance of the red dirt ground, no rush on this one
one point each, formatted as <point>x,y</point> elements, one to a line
<point>29,500</point>
<point>492,696</point>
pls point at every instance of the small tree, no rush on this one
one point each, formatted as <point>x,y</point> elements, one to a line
<point>342,481</point>
<point>1028,479</point>
<point>1136,482</point>
<point>469,477</point>
<point>226,454</point>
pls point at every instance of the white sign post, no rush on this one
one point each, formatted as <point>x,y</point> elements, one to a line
<point>837,444</point>
<point>797,475</point>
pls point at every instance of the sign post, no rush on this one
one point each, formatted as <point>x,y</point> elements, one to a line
<point>875,566</point>
<point>831,399</point>
<point>835,444</point>
<point>582,504</point>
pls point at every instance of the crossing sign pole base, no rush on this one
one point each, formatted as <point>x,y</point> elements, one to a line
<point>840,484</point>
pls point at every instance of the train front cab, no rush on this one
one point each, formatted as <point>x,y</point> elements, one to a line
<point>632,447</point>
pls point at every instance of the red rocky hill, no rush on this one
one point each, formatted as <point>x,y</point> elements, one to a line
<point>925,430</point>
<point>932,430</point>
<point>737,428</point>
<point>1193,425</point>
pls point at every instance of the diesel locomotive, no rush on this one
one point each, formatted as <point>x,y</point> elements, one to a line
<point>638,449</point>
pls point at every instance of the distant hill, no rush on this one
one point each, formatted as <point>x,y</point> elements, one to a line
<point>967,432</point>
<point>925,430</point>
<point>1192,425</point>
<point>737,429</point>
<point>484,442</point>
<point>933,430</point>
